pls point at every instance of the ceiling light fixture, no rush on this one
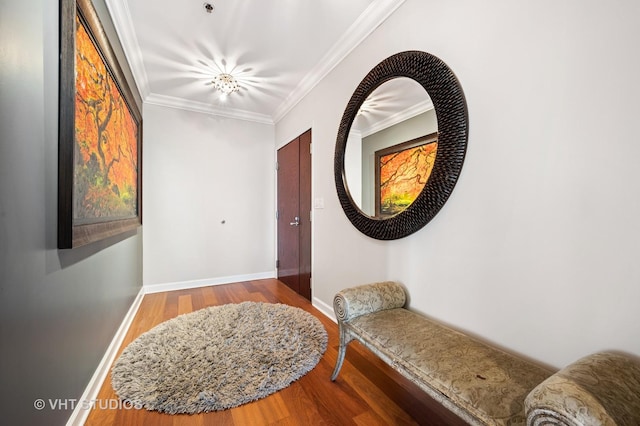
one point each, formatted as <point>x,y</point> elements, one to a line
<point>209,7</point>
<point>226,83</point>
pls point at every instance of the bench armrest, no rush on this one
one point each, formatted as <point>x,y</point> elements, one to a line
<point>600,389</point>
<point>365,299</point>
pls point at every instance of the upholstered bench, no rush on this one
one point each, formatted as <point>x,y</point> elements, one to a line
<point>482,384</point>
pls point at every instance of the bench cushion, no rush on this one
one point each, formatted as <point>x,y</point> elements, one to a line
<point>487,382</point>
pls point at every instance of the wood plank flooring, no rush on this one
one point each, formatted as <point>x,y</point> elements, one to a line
<point>367,391</point>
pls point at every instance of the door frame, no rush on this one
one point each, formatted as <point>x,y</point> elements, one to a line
<point>311,214</point>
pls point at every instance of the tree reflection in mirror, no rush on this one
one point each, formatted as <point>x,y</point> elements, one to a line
<point>391,147</point>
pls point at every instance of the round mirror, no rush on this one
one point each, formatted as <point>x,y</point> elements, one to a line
<point>400,146</point>
<point>391,148</point>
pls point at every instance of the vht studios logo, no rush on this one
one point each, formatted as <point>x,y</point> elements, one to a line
<point>84,404</point>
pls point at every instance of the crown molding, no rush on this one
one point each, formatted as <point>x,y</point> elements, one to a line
<point>121,17</point>
<point>180,103</point>
<point>398,117</point>
<point>371,18</point>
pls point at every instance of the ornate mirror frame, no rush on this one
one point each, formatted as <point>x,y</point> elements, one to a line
<point>453,130</point>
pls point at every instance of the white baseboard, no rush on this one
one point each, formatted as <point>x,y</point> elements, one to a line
<point>80,413</point>
<point>184,285</point>
<point>324,308</point>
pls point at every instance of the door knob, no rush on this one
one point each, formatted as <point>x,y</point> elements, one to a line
<point>296,221</point>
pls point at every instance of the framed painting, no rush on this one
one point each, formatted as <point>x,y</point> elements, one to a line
<point>401,172</point>
<point>100,135</point>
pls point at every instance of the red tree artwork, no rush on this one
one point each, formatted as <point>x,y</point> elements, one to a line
<point>106,135</point>
<point>402,176</point>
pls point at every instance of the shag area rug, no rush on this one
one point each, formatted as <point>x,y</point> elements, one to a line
<point>219,357</point>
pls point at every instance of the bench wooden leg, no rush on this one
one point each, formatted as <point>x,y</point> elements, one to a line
<point>342,350</point>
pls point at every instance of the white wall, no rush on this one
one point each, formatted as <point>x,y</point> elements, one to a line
<point>201,170</point>
<point>537,248</point>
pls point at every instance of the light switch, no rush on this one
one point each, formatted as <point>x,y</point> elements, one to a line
<point>318,203</point>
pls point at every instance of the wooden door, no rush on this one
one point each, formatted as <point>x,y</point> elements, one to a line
<point>294,214</point>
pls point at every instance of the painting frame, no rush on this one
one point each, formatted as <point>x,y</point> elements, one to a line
<point>73,230</point>
<point>398,149</point>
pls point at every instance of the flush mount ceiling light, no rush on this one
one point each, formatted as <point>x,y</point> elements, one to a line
<point>208,7</point>
<point>225,83</point>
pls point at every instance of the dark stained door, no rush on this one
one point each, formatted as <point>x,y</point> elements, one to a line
<point>294,214</point>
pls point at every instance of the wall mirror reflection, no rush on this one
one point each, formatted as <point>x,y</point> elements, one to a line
<point>391,148</point>
<point>400,146</point>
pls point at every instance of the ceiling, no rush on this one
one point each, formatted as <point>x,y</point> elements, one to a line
<point>392,102</point>
<point>278,50</point>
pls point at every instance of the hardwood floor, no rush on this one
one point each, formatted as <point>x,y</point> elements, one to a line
<point>367,391</point>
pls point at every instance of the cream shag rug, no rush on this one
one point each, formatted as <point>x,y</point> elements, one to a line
<point>219,357</point>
